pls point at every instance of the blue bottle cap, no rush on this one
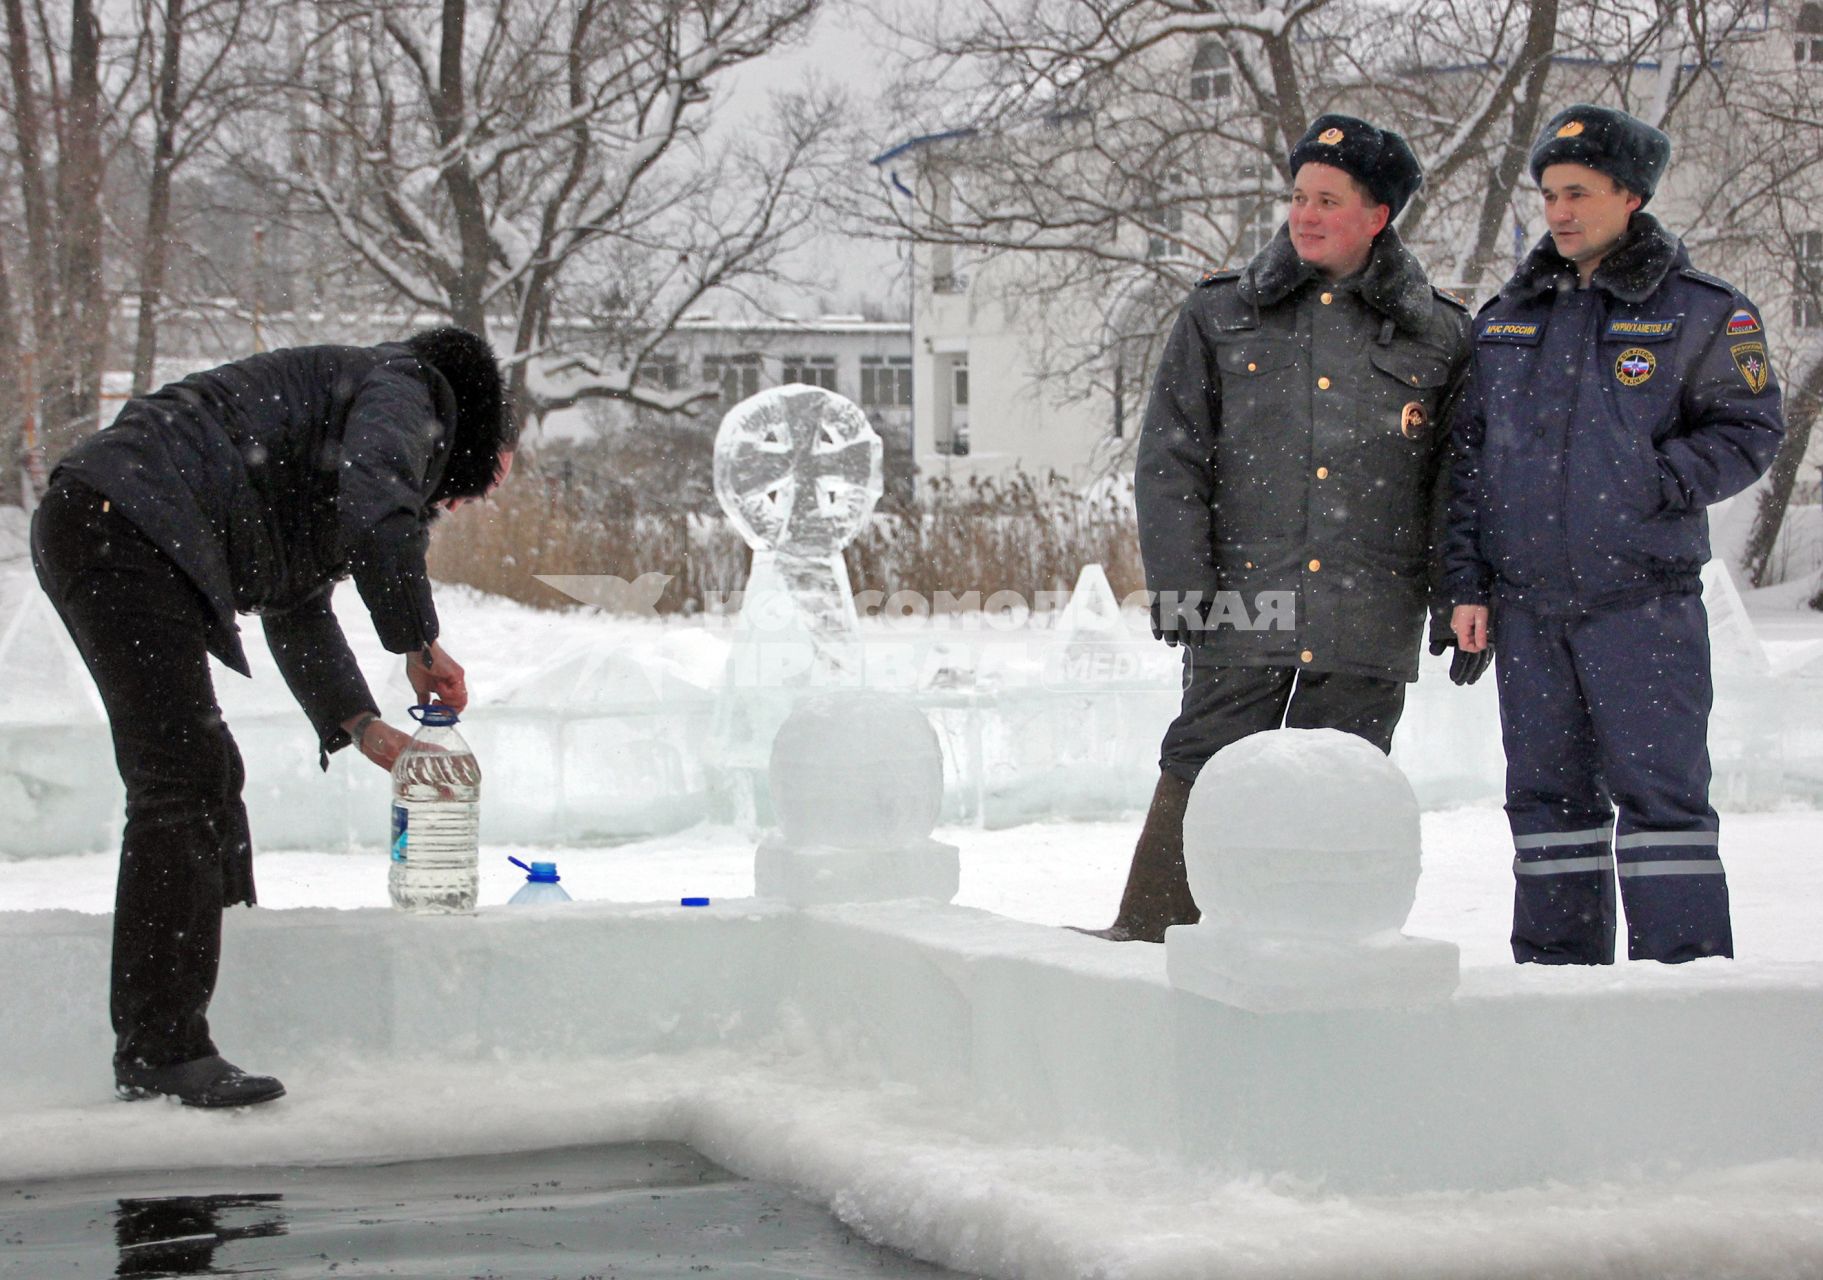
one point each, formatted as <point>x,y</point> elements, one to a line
<point>693,902</point>
<point>435,714</point>
<point>537,872</point>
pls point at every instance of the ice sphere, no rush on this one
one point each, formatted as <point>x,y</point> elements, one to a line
<point>856,770</point>
<point>1309,831</point>
<point>1302,847</point>
<point>797,470</point>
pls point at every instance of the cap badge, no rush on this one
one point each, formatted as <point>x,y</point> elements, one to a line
<point>1412,420</point>
<point>1572,129</point>
<point>1330,137</point>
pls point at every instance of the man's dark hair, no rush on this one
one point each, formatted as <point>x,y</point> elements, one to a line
<point>483,425</point>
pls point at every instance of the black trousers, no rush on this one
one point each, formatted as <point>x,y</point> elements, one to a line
<point>1223,704</point>
<point>141,628</point>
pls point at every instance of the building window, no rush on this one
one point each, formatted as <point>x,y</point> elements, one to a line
<point>1211,77</point>
<point>1167,239</point>
<point>1808,46</point>
<point>661,371</point>
<point>812,371</point>
<point>1807,301</point>
<point>886,382</point>
<point>737,376</point>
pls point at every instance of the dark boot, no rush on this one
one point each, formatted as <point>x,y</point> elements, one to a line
<point>201,1082</point>
<point>1158,890</point>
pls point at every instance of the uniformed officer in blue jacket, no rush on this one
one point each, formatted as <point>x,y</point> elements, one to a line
<point>1614,393</point>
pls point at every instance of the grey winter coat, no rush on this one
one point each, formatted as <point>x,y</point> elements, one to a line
<point>1290,462</point>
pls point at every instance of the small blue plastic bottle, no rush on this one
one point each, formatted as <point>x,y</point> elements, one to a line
<point>540,885</point>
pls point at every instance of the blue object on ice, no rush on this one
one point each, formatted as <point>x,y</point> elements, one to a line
<point>693,902</point>
<point>540,884</point>
<point>434,713</point>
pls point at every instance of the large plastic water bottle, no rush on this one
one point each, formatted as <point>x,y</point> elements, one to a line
<point>436,818</point>
<point>540,885</point>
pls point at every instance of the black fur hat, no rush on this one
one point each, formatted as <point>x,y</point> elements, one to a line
<point>1379,158</point>
<point>1624,147</point>
<point>483,426</point>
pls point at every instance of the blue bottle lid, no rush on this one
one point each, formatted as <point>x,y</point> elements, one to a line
<point>435,714</point>
<point>538,872</point>
<point>693,902</point>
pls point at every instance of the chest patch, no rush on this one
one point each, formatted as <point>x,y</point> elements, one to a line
<point>1642,330</point>
<point>1741,322</point>
<point>1525,334</point>
<point>1634,366</point>
<point>1750,359</point>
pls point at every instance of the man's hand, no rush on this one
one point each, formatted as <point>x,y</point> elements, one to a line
<point>1470,623</point>
<point>1469,628</point>
<point>375,739</point>
<point>433,673</point>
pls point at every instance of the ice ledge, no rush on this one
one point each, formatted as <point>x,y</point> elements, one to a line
<point>1526,1076</point>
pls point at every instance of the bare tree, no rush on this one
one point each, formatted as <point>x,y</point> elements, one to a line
<point>207,69</point>
<point>530,161</point>
<point>58,112</point>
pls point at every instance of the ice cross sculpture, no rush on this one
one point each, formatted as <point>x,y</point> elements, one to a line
<point>797,471</point>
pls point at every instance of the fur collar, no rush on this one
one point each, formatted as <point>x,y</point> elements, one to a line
<point>1392,284</point>
<point>1632,272</point>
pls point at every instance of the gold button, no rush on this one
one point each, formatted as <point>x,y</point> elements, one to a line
<point>1414,379</point>
<point>1322,473</point>
<point>1250,564</point>
<point>1322,384</point>
<point>1328,298</point>
<point>1315,565</point>
<point>1252,367</point>
<point>1307,656</point>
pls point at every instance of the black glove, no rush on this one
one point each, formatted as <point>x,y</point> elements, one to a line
<point>1466,668</point>
<point>1179,619</point>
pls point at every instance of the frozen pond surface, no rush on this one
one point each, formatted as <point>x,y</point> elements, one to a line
<point>631,1212</point>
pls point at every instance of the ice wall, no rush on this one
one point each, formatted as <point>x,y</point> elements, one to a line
<point>1040,1035</point>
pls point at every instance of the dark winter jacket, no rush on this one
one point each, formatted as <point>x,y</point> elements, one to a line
<point>269,479</point>
<point>1289,460</point>
<point>1597,424</point>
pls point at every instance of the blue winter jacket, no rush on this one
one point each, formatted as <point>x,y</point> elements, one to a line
<point>1598,423</point>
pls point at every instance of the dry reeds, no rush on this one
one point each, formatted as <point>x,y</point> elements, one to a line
<point>1013,534</point>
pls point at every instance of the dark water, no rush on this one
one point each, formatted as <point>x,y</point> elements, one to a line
<point>627,1212</point>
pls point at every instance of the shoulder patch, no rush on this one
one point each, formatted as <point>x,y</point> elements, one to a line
<point>1742,322</point>
<point>1454,299</point>
<point>1216,277</point>
<point>1701,277</point>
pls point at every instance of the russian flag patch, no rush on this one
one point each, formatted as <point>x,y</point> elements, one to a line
<point>1743,322</point>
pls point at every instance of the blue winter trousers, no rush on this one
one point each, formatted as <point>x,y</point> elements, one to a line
<point>1605,712</point>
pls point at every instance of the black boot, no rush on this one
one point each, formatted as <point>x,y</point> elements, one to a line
<point>1158,890</point>
<point>200,1082</point>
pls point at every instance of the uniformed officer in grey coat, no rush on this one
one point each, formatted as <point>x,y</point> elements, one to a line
<point>1287,485</point>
